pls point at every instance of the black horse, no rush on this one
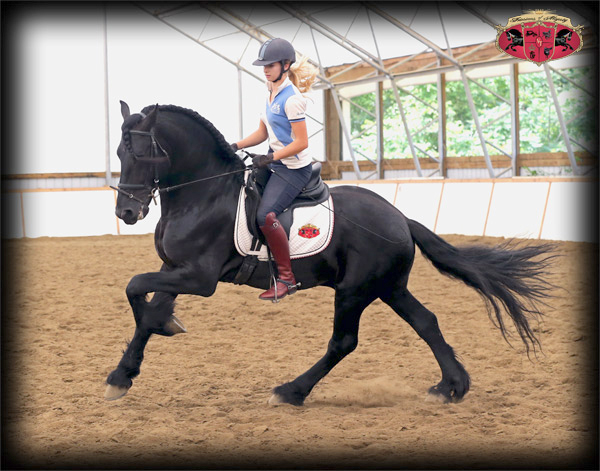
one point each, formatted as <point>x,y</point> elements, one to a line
<point>515,37</point>
<point>180,154</point>
<point>562,37</point>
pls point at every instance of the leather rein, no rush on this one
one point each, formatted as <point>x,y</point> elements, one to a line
<point>154,159</point>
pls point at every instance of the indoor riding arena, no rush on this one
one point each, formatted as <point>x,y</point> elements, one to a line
<point>427,110</point>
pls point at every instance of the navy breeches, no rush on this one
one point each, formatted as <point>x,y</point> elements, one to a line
<point>283,186</point>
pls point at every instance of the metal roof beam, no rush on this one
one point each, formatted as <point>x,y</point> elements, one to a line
<point>201,43</point>
<point>433,71</point>
<point>333,36</point>
<point>253,31</point>
<point>478,126</point>
<point>561,120</point>
<point>481,16</point>
<point>412,33</point>
<point>487,89</point>
<point>572,81</point>
<point>173,10</point>
<point>245,26</point>
<point>338,109</point>
<point>374,73</point>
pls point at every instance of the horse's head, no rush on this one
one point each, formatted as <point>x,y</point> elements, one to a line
<point>141,155</point>
<point>513,33</point>
<point>565,33</point>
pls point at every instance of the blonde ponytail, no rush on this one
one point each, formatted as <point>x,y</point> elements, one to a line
<point>303,74</point>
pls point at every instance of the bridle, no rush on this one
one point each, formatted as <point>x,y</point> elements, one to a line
<point>155,160</point>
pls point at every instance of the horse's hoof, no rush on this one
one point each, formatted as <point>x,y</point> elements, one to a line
<point>436,397</point>
<point>175,326</point>
<point>276,399</point>
<point>114,392</point>
<point>286,394</point>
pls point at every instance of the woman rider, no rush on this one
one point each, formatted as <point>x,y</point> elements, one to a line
<point>283,123</point>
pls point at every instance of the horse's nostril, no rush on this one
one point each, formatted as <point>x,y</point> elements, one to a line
<point>126,214</point>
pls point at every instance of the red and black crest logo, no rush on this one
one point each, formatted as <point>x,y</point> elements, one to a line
<point>308,231</point>
<point>539,36</point>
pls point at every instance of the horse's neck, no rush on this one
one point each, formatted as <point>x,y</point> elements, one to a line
<point>198,165</point>
<point>203,199</point>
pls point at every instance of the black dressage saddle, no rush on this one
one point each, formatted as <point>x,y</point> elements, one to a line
<point>315,192</point>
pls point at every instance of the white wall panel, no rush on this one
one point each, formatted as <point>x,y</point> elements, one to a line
<point>572,212</point>
<point>391,174</point>
<point>385,190</point>
<point>419,201</point>
<point>69,213</point>
<point>333,185</point>
<point>352,176</point>
<point>517,209</point>
<point>463,208</point>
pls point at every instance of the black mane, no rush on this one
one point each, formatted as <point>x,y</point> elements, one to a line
<point>225,148</point>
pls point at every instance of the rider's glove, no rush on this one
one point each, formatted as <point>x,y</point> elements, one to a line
<point>261,160</point>
<point>234,147</point>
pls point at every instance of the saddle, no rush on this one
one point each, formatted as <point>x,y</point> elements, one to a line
<point>315,192</point>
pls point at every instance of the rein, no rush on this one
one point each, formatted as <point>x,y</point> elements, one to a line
<point>123,187</point>
<point>175,187</point>
<point>140,186</point>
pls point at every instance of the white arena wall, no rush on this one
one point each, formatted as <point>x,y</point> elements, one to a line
<point>552,208</point>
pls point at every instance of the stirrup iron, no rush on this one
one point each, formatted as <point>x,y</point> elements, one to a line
<point>291,288</point>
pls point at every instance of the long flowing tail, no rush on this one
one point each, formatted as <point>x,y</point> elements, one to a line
<point>506,276</point>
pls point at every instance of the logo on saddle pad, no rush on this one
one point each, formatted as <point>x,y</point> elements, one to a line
<point>308,231</point>
<point>539,36</point>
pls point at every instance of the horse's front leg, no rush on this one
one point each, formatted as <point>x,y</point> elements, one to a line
<point>154,317</point>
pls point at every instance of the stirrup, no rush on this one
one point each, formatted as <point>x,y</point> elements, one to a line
<point>292,288</point>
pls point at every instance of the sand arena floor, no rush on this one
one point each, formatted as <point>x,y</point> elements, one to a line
<point>201,398</point>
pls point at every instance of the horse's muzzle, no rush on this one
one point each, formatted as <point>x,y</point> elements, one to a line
<point>130,216</point>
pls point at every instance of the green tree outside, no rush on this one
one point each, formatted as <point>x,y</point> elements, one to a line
<point>539,125</point>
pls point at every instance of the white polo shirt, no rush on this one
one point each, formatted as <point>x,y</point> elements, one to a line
<point>288,106</point>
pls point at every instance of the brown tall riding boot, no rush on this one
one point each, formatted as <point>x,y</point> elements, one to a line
<point>280,248</point>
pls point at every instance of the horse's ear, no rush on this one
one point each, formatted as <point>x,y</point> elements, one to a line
<point>124,109</point>
<point>150,119</point>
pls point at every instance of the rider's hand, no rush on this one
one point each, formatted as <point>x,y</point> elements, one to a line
<point>234,147</point>
<point>261,160</point>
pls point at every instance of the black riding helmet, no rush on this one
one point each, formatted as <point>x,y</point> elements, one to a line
<point>276,50</point>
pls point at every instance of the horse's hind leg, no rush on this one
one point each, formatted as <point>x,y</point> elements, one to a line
<point>455,380</point>
<point>349,306</point>
<point>154,317</point>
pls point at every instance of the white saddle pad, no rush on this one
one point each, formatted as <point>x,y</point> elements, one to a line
<point>311,231</point>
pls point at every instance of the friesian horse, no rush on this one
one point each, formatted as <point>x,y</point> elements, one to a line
<point>179,154</point>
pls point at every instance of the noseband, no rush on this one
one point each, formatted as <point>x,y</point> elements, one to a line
<point>154,159</point>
